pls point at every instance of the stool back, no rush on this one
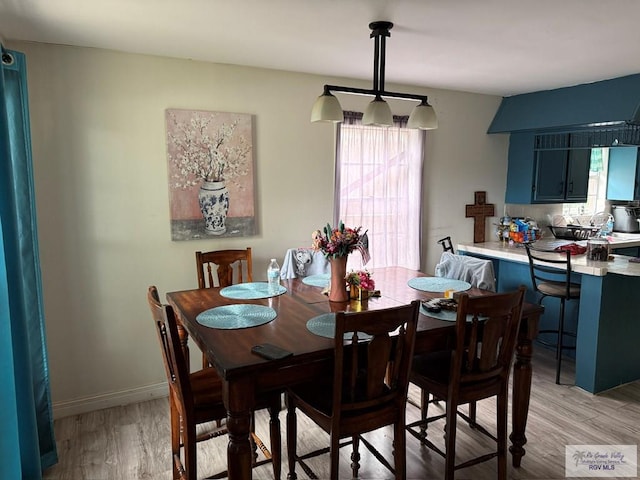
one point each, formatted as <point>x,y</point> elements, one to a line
<point>550,266</point>
<point>446,244</point>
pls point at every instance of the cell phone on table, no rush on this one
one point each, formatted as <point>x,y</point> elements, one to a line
<point>270,352</point>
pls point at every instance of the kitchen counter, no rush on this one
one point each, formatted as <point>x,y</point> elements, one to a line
<point>619,264</point>
<point>605,317</point>
<point>623,240</point>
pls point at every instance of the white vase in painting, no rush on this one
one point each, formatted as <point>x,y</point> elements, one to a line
<point>214,205</point>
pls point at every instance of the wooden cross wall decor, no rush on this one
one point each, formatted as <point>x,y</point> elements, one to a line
<point>480,210</point>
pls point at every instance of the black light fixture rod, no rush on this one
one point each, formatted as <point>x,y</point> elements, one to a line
<point>382,93</point>
<point>379,31</point>
<point>376,56</point>
<point>383,47</point>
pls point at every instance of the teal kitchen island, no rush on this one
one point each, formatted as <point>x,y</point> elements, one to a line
<point>608,329</point>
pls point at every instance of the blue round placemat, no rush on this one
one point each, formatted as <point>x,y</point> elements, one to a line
<point>230,317</point>
<point>447,315</point>
<point>325,326</point>
<point>438,284</point>
<point>251,291</point>
<point>320,280</point>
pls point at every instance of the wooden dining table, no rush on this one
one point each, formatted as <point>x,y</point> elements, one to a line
<point>246,375</point>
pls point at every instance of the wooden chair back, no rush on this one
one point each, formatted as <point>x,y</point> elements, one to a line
<point>486,334</point>
<point>229,267</point>
<point>175,363</point>
<point>373,354</point>
<point>550,266</point>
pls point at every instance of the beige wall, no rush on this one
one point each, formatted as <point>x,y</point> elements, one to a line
<point>98,133</point>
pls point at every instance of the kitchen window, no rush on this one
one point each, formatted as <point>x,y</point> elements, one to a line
<point>379,186</point>
<point>597,192</point>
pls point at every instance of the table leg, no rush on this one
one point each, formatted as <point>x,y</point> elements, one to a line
<point>238,402</point>
<point>274,430</point>
<point>522,389</point>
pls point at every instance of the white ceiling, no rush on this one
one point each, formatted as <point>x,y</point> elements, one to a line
<point>502,47</point>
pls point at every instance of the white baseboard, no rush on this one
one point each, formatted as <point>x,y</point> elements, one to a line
<point>107,400</point>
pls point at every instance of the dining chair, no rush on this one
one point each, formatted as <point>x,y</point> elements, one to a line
<point>196,399</point>
<point>221,268</point>
<point>478,272</point>
<point>229,267</point>
<point>302,262</point>
<point>478,368</point>
<point>368,388</point>
<point>551,277</point>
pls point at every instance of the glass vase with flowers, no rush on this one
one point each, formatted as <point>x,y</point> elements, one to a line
<point>361,284</point>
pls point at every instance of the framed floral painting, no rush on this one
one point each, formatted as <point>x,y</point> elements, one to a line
<point>211,182</point>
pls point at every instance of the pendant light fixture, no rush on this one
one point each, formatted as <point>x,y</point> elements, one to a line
<point>327,107</point>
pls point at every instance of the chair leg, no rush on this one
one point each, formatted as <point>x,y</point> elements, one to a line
<point>254,447</point>
<point>559,347</point>
<point>189,441</point>
<point>274,433</point>
<point>424,407</point>
<point>472,414</point>
<point>450,440</point>
<point>334,453</point>
<point>355,456</point>
<point>501,424</point>
<point>292,435</point>
<point>175,436</point>
<point>400,449</point>
<point>206,364</point>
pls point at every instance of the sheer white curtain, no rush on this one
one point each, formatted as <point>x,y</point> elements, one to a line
<point>378,186</point>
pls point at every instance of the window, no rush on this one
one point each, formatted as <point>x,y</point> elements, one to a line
<point>378,186</point>
<point>597,192</point>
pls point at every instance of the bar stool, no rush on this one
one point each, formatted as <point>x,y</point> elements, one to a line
<point>551,277</point>
<point>446,244</point>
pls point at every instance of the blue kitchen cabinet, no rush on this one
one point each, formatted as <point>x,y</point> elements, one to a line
<point>521,168</point>
<point>577,186</point>
<point>628,251</point>
<point>551,176</point>
<point>623,178</point>
<point>558,175</point>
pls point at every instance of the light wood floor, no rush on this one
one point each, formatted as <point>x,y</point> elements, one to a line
<point>132,442</point>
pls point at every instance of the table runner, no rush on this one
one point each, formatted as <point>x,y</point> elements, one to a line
<point>251,291</point>
<point>230,317</point>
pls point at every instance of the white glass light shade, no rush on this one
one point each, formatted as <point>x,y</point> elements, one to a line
<point>378,113</point>
<point>423,117</point>
<point>327,109</point>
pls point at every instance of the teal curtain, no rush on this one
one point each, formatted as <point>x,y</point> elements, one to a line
<point>27,441</point>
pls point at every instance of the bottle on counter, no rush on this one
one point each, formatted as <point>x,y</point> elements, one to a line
<point>606,225</point>
<point>610,225</point>
<point>273,276</point>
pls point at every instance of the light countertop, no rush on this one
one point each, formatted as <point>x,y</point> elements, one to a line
<point>619,265</point>
<point>623,240</point>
